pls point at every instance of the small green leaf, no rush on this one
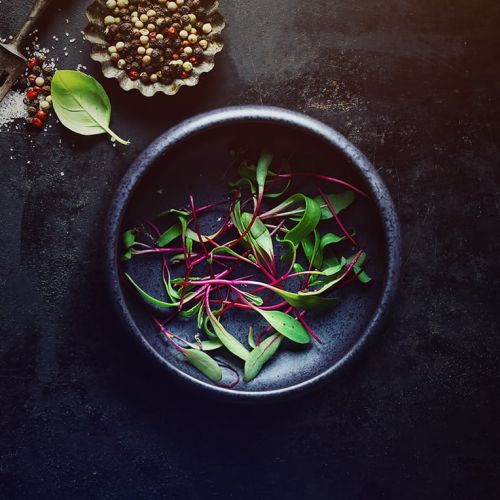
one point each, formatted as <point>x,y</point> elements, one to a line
<point>204,363</point>
<point>169,235</point>
<point>260,236</point>
<point>339,202</point>
<point>149,298</point>
<point>260,356</point>
<point>262,169</point>
<point>307,223</point>
<point>251,341</point>
<point>128,238</point>
<point>127,255</point>
<point>233,345</point>
<point>286,325</point>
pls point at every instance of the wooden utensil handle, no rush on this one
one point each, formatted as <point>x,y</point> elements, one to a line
<point>36,11</point>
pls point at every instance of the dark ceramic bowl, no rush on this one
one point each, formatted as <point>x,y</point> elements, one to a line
<point>194,157</point>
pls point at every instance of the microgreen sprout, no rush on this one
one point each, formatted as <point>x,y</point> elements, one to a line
<point>268,226</point>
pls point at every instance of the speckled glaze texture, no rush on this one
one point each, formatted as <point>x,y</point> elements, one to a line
<point>279,384</point>
<point>94,33</point>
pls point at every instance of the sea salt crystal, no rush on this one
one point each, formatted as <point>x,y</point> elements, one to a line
<point>12,107</point>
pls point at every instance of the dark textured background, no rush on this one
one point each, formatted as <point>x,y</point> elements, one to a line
<point>413,83</point>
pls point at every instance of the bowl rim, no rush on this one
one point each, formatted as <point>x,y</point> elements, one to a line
<point>248,114</point>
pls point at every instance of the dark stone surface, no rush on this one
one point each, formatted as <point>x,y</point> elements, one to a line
<point>413,83</point>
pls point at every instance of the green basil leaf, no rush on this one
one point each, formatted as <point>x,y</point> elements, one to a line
<point>204,363</point>
<point>169,235</point>
<point>260,356</point>
<point>286,325</point>
<point>339,202</point>
<point>81,103</point>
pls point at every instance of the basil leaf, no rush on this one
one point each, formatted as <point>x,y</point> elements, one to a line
<point>339,202</point>
<point>286,325</point>
<point>260,356</point>
<point>204,363</point>
<point>81,104</point>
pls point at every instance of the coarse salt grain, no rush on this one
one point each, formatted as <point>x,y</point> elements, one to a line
<point>12,107</point>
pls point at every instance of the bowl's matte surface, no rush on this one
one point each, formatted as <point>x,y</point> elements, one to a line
<point>195,157</point>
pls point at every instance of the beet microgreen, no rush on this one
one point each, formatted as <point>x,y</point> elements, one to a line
<point>278,254</point>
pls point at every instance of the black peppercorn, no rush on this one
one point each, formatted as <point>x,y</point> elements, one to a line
<point>134,45</point>
<point>46,89</point>
<point>198,53</point>
<point>37,70</point>
<point>48,79</point>
<point>138,59</point>
<point>167,80</point>
<point>176,44</point>
<point>199,26</point>
<point>168,22</point>
<point>200,12</point>
<point>183,57</point>
<point>32,110</point>
<point>176,17</point>
<point>144,77</point>
<point>176,26</point>
<point>113,29</point>
<point>142,10</point>
<point>125,18</point>
<point>149,70</point>
<point>185,20</point>
<point>126,28</point>
<point>129,59</point>
<point>135,66</point>
<point>183,10</point>
<point>155,55</point>
<point>168,53</point>
<point>195,3</point>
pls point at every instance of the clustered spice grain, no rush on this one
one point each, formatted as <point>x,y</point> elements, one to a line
<point>36,85</point>
<point>157,41</point>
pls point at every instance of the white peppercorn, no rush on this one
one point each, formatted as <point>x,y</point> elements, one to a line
<point>120,46</point>
<point>144,39</point>
<point>111,49</point>
<point>121,63</point>
<point>45,105</point>
<point>139,24</point>
<point>207,28</point>
<point>40,82</point>
<point>151,13</point>
<point>141,50</point>
<point>171,6</point>
<point>183,34</point>
<point>192,39</point>
<point>111,4</point>
<point>109,20</point>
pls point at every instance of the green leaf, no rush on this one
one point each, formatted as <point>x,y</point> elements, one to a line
<point>204,363</point>
<point>127,255</point>
<point>307,223</point>
<point>149,298</point>
<point>260,356</point>
<point>262,169</point>
<point>308,302</point>
<point>279,193</point>
<point>286,325</point>
<point>128,238</point>
<point>260,236</point>
<point>169,235</point>
<point>210,345</point>
<point>233,345</point>
<point>81,103</point>
<point>339,202</point>
<point>193,311</point>
<point>251,341</point>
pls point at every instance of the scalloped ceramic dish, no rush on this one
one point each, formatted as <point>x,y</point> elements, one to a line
<point>94,33</point>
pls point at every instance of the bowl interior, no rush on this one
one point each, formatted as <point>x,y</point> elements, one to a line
<point>202,165</point>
